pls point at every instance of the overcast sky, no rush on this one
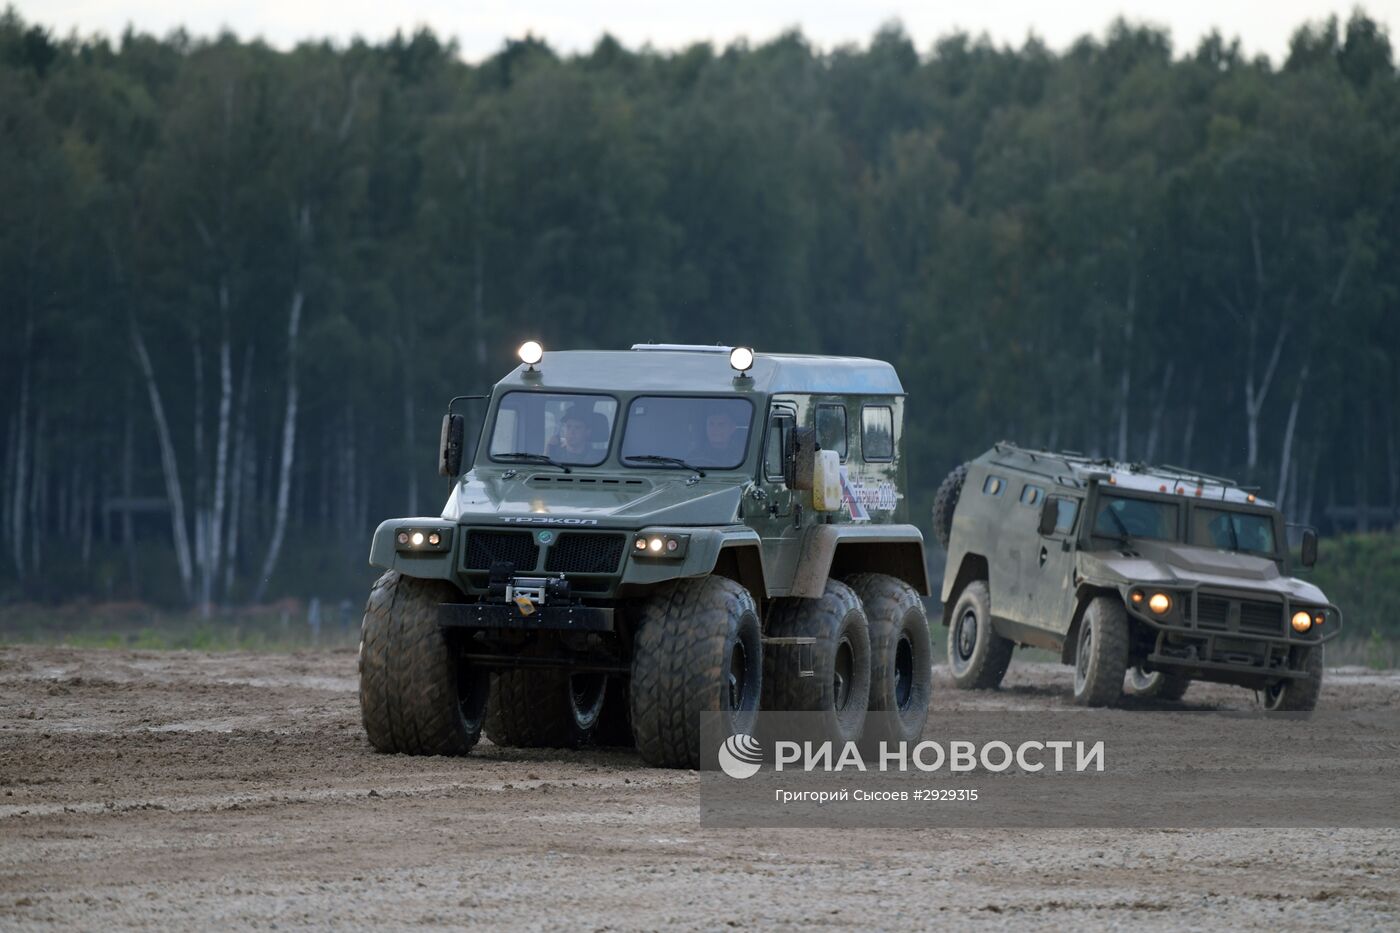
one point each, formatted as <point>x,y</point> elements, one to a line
<point>570,25</point>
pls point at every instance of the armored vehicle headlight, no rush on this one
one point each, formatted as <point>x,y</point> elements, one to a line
<point>417,538</point>
<point>531,352</point>
<point>1159,603</point>
<point>741,358</point>
<point>1302,620</point>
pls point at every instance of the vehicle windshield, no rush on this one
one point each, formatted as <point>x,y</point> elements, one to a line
<point>565,428</point>
<point>1125,517</point>
<point>689,433</point>
<point>1232,531</point>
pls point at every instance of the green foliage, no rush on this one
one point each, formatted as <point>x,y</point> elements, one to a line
<point>1116,249</point>
<point>1361,574</point>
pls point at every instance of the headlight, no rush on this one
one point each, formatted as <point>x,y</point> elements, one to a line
<point>660,545</point>
<point>1159,603</point>
<point>531,352</point>
<point>741,358</point>
<point>421,540</point>
<point>1302,620</point>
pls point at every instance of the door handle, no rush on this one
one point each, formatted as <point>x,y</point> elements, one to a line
<point>1044,555</point>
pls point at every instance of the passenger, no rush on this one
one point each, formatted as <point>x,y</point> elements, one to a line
<point>723,444</point>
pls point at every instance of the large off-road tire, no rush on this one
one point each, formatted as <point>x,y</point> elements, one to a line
<point>977,656</point>
<point>1297,696</point>
<point>698,649</point>
<point>945,501</point>
<point>901,658</point>
<point>416,698</point>
<point>838,685</point>
<point>1101,653</point>
<point>1157,685</point>
<point>544,708</point>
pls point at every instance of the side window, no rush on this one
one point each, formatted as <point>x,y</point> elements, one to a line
<point>993,486</point>
<point>1067,510</point>
<point>1031,495</point>
<point>775,445</point>
<point>877,434</point>
<point>831,428</point>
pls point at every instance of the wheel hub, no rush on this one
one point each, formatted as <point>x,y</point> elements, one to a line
<point>903,671</point>
<point>843,674</point>
<point>737,679</point>
<point>967,635</point>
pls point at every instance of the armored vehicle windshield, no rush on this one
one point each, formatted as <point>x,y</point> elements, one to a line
<point>1228,530</point>
<point>1130,517</point>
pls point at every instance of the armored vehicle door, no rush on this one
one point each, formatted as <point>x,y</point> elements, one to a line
<point>1047,571</point>
<point>773,515</point>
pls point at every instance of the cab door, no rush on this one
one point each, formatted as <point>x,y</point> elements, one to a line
<point>771,502</point>
<point>1048,570</point>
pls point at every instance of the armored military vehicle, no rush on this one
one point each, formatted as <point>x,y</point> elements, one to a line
<point>641,536</point>
<point>1157,574</point>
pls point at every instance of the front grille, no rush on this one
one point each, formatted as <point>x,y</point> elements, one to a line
<point>1212,612</point>
<point>485,548</point>
<point>577,552</point>
<point>1261,618</point>
<point>1255,616</point>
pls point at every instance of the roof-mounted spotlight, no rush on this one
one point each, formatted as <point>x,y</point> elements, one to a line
<point>741,358</point>
<point>531,353</point>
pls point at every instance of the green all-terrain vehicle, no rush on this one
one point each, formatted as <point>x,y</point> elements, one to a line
<point>644,536</point>
<point>1157,574</point>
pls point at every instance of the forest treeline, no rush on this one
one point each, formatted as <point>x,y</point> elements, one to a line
<point>238,285</point>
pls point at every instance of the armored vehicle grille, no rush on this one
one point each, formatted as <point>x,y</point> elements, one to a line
<point>1212,612</point>
<point>485,548</point>
<point>1262,618</point>
<point>1256,617</point>
<point>578,552</point>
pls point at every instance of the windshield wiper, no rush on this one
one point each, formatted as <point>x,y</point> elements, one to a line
<point>658,458</point>
<point>533,458</point>
<point>1124,535</point>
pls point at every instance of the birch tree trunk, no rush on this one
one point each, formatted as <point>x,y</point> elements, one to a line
<point>216,520</point>
<point>1125,378</point>
<point>1159,411</point>
<point>128,485</point>
<point>289,437</point>
<point>21,488</point>
<point>1286,455</point>
<point>239,468</point>
<point>6,484</point>
<point>169,465</point>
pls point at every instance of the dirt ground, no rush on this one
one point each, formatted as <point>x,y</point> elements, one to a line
<point>185,790</point>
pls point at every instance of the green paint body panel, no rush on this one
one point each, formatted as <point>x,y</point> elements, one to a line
<point>746,508</point>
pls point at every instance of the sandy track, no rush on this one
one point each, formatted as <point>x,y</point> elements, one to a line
<point>186,790</point>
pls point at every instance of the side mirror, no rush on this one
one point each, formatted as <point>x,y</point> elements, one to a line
<point>800,460</point>
<point>454,428</point>
<point>1049,516</point>
<point>1309,550</point>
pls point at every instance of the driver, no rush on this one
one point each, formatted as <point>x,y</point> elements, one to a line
<point>575,441</point>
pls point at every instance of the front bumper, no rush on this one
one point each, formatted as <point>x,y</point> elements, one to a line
<point>508,617</point>
<point>1232,636</point>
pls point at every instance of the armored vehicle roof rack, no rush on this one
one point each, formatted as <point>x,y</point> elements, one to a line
<point>1075,469</point>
